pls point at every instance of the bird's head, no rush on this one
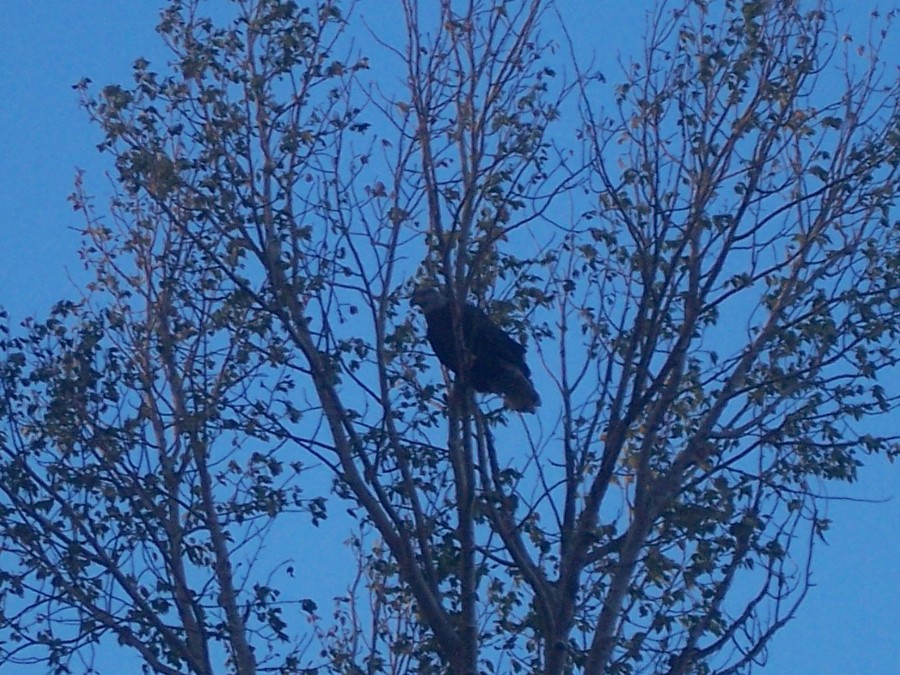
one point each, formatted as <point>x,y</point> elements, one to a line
<point>428,298</point>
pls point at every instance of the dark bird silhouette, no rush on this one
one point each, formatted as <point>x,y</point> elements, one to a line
<point>495,362</point>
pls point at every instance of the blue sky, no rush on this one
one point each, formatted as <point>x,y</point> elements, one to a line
<point>851,618</point>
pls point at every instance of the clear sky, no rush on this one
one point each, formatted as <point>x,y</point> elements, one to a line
<point>851,619</point>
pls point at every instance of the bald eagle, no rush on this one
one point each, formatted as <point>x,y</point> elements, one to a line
<point>496,362</point>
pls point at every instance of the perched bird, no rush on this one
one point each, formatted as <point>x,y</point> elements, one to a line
<point>495,362</point>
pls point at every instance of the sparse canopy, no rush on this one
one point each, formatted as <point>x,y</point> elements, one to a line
<point>706,246</point>
<point>495,363</point>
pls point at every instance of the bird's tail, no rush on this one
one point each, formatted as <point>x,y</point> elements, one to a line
<point>518,392</point>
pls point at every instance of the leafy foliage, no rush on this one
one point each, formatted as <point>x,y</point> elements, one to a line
<point>716,329</point>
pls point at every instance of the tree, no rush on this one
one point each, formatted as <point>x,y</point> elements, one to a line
<point>702,261</point>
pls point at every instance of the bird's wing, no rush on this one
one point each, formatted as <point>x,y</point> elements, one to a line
<point>488,340</point>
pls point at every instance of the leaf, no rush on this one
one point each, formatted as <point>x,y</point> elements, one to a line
<point>819,173</point>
